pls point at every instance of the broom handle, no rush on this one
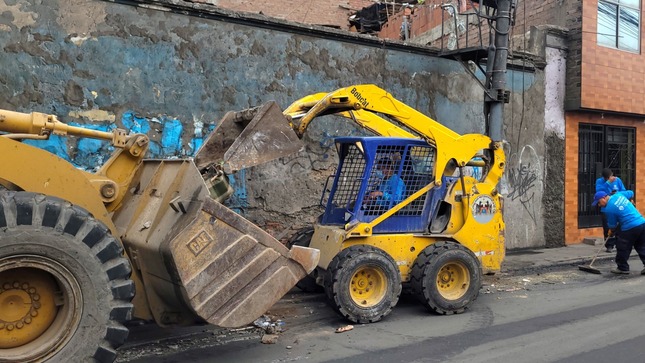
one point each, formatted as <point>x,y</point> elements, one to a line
<point>600,249</point>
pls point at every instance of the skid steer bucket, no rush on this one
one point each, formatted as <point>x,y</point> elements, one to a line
<point>199,260</point>
<point>242,139</point>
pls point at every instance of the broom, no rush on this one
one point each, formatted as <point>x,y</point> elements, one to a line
<point>589,267</point>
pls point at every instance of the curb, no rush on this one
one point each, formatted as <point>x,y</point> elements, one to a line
<point>560,264</point>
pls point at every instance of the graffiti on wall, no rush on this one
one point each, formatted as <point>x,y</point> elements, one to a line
<point>525,181</point>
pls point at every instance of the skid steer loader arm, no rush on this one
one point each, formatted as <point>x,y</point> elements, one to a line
<point>271,134</point>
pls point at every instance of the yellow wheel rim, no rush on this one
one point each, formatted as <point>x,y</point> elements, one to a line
<point>40,307</point>
<point>453,280</point>
<point>368,286</point>
<point>27,306</point>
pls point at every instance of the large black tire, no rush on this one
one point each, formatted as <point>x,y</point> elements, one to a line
<point>446,278</point>
<point>363,284</point>
<point>303,238</point>
<point>65,287</point>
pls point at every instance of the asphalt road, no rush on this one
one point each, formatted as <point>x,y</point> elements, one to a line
<point>549,316</point>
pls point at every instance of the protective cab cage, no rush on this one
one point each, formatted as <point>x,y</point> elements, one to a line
<point>359,174</point>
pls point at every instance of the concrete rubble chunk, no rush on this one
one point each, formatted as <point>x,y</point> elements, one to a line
<point>269,338</point>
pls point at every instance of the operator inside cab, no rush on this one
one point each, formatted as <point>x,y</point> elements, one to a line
<point>391,188</point>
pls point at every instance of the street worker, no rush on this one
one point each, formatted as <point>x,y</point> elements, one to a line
<point>620,211</point>
<point>610,184</point>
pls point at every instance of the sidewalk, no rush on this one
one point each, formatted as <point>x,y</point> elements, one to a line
<point>573,255</point>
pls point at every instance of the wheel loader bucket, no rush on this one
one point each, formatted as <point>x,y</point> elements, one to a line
<point>197,259</point>
<point>242,139</point>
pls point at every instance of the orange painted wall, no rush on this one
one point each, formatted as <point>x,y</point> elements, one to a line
<point>611,79</point>
<point>572,234</point>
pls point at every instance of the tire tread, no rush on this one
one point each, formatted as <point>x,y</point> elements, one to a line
<point>46,212</point>
<point>332,287</point>
<point>418,274</point>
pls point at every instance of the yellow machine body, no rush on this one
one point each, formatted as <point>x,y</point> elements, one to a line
<point>483,240</point>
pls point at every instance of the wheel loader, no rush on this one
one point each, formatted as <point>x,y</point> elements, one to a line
<point>416,206</point>
<point>82,253</point>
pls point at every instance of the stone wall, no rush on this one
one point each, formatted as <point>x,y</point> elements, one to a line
<point>172,71</point>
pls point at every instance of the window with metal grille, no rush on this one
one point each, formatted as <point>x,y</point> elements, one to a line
<point>398,172</point>
<point>349,180</point>
<point>599,147</point>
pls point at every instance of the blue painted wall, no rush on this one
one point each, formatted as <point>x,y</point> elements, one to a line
<point>172,76</point>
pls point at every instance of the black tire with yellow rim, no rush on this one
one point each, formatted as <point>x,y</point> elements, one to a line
<point>446,278</point>
<point>363,283</point>
<point>65,289</point>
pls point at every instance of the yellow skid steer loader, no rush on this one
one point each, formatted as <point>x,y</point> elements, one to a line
<point>417,205</point>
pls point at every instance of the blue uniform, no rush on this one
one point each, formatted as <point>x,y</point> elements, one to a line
<point>620,209</point>
<point>393,189</point>
<point>604,185</point>
<point>608,187</point>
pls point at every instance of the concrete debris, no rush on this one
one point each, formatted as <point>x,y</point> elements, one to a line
<point>264,322</point>
<point>269,338</point>
<point>344,328</point>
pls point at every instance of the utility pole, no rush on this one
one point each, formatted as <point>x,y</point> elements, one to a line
<point>497,94</point>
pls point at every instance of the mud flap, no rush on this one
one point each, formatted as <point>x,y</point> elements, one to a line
<point>247,138</point>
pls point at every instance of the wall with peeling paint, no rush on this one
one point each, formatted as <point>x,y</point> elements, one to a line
<point>172,76</point>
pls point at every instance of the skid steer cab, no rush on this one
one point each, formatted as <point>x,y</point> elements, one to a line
<point>389,221</point>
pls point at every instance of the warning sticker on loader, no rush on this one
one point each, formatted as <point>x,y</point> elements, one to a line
<point>483,209</point>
